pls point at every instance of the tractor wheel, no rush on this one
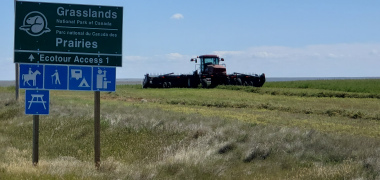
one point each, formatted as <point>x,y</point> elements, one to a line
<point>238,82</point>
<point>145,83</point>
<point>204,83</point>
<point>227,81</point>
<point>232,82</point>
<point>164,85</point>
<point>245,83</point>
<point>190,83</point>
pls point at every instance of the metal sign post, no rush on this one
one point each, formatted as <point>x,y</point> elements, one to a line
<point>97,128</point>
<point>17,81</point>
<point>36,124</point>
<point>16,66</point>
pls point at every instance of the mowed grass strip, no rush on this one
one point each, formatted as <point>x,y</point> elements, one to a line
<point>339,115</point>
<point>348,85</point>
<point>370,128</point>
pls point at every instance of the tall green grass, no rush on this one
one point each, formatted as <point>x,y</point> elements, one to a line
<point>224,133</point>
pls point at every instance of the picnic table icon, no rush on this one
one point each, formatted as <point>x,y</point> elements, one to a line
<point>37,98</point>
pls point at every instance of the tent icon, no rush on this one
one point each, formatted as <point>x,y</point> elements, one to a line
<point>77,74</point>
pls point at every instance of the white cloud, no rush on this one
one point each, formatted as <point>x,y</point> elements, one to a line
<point>175,56</point>
<point>349,60</point>
<point>374,52</point>
<point>177,16</point>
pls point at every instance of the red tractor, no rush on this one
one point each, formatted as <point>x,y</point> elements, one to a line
<point>209,73</point>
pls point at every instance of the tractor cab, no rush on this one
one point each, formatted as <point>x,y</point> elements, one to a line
<point>208,63</point>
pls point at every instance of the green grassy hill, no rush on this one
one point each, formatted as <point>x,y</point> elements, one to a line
<point>284,130</point>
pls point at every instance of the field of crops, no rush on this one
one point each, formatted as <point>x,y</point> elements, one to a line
<point>325,129</point>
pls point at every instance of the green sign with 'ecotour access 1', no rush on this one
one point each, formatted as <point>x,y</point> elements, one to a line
<point>52,33</point>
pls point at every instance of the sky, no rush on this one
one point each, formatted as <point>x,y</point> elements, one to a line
<point>293,38</point>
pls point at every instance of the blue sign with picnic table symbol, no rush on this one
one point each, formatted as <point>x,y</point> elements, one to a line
<point>37,102</point>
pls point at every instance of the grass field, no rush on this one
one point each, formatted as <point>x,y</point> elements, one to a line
<point>326,129</point>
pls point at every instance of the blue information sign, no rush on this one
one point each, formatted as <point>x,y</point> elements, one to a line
<point>31,76</point>
<point>56,77</point>
<point>104,78</point>
<point>37,102</point>
<point>63,77</point>
<point>80,78</point>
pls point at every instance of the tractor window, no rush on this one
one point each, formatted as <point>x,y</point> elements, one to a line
<point>211,60</point>
<point>208,61</point>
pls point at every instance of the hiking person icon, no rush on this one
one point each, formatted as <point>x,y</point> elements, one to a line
<point>56,77</point>
<point>57,81</point>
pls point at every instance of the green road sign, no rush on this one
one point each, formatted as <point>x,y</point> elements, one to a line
<point>53,33</point>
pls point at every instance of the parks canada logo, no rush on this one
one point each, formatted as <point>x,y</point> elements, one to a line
<point>35,24</point>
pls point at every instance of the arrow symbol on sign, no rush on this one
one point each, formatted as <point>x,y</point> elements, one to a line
<point>31,57</point>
